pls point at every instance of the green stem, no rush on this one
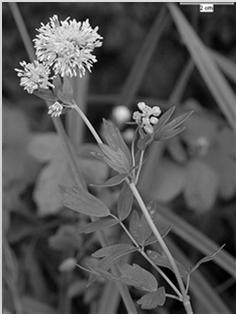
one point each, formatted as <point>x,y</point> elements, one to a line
<point>123,290</point>
<point>155,231</point>
<point>139,167</point>
<point>87,122</point>
<point>147,258</point>
<point>185,297</point>
<point>171,296</point>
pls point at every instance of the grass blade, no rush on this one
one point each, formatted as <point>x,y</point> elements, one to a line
<point>75,125</point>
<point>109,300</point>
<point>197,239</point>
<point>205,294</point>
<point>214,79</point>
<point>226,65</point>
<point>142,60</point>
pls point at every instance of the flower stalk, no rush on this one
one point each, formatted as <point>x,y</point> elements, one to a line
<point>185,298</point>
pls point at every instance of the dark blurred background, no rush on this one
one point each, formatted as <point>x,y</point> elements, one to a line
<point>34,244</point>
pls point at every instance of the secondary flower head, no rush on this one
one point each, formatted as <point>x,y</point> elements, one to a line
<point>147,117</point>
<point>67,46</point>
<point>55,110</point>
<point>34,76</point>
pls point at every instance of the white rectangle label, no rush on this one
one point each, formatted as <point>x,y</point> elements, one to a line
<point>207,7</point>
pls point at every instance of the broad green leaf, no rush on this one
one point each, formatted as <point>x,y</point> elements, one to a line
<point>214,79</point>
<point>47,194</point>
<point>102,273</point>
<point>202,184</point>
<point>83,202</point>
<point>99,224</point>
<point>202,124</point>
<point>151,300</point>
<point>110,250</point>
<point>65,238</point>
<point>177,151</point>
<point>114,139</point>
<point>220,158</point>
<point>109,260</point>
<point>138,277</point>
<point>46,147</point>
<point>205,259</point>
<point>125,202</point>
<point>161,259</point>
<point>116,159</point>
<point>139,228</point>
<point>116,180</point>
<point>168,180</point>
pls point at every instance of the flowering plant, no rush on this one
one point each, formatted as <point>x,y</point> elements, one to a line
<point>64,49</point>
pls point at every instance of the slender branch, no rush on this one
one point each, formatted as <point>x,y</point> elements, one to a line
<point>123,290</point>
<point>159,270</point>
<point>139,167</point>
<point>22,29</point>
<point>87,122</point>
<point>185,297</point>
<point>157,234</point>
<point>171,296</point>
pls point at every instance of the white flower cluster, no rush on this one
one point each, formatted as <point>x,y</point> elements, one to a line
<point>63,48</point>
<point>147,118</point>
<point>67,46</point>
<point>34,76</point>
<point>55,110</point>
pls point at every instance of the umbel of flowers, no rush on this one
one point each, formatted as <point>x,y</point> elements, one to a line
<point>62,48</point>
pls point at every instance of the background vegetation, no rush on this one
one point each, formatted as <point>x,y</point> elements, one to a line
<point>149,54</point>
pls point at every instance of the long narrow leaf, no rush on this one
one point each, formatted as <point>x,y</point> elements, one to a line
<point>198,240</point>
<point>204,293</point>
<point>215,81</point>
<point>226,65</point>
<point>142,60</point>
<point>109,300</point>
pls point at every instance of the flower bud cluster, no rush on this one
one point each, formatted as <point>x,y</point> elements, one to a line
<point>55,110</point>
<point>147,118</point>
